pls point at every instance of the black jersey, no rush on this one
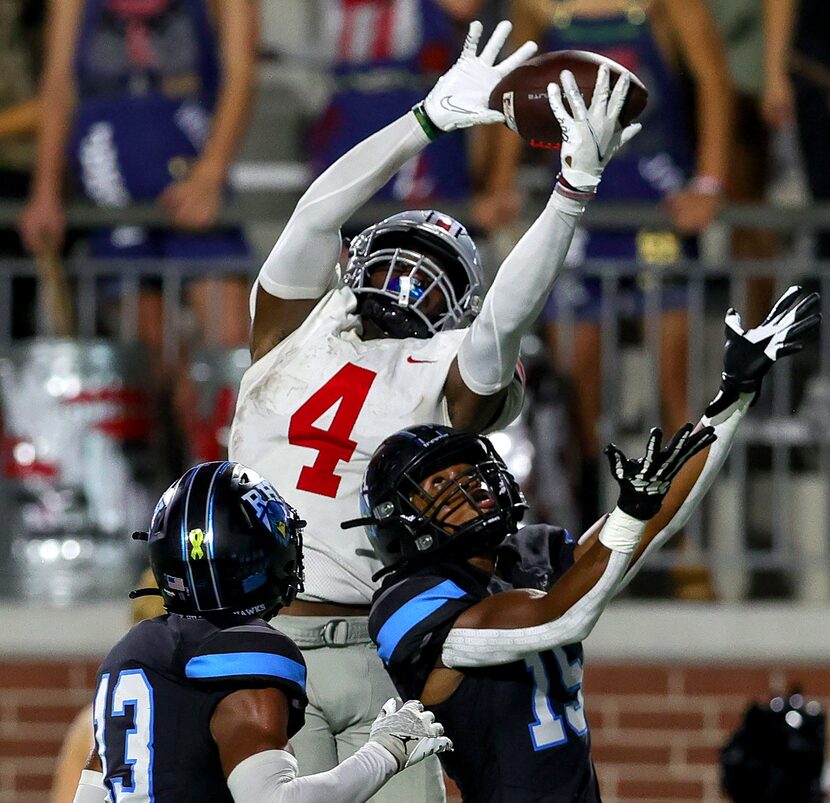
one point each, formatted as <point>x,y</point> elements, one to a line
<point>519,730</point>
<point>157,691</point>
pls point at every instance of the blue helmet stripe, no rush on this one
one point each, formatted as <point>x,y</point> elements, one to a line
<point>188,482</point>
<point>209,505</point>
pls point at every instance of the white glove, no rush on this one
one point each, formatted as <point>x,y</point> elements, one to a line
<point>409,733</point>
<point>461,96</point>
<point>590,137</point>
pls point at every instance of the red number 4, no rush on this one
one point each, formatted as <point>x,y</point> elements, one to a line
<point>348,387</point>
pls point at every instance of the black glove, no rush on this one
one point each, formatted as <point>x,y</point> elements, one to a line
<point>645,482</point>
<point>748,355</point>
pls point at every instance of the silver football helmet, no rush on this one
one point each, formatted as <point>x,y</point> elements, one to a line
<point>421,251</point>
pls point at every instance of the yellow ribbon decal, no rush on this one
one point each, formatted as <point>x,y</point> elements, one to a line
<point>196,538</point>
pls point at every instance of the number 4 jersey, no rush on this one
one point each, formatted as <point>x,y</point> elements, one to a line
<point>157,691</point>
<point>519,730</point>
<point>311,413</point>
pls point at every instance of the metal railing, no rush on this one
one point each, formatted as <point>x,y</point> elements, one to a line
<point>763,531</point>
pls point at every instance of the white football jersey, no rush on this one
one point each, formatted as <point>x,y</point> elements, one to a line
<point>311,413</point>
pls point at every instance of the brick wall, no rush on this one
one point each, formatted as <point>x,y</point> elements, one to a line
<point>656,728</point>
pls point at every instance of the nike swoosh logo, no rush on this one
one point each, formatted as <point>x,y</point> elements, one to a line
<point>446,103</point>
<point>412,359</point>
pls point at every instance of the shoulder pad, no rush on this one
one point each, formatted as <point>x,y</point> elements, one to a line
<point>249,652</point>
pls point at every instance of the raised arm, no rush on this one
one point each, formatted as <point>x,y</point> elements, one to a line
<point>301,266</point>
<point>479,377</point>
<point>510,626</point>
<point>748,356</point>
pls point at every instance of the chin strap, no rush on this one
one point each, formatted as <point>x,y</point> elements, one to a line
<point>392,320</point>
<point>145,592</point>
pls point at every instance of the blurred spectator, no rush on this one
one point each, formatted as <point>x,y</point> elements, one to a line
<point>386,55</point>
<point>749,172</point>
<point>21,24</point>
<point>78,739</point>
<point>147,100</point>
<point>797,85</point>
<point>659,165</point>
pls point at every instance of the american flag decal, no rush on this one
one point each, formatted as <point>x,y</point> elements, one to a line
<point>446,225</point>
<point>175,583</point>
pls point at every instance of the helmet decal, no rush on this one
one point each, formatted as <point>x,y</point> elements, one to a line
<point>196,537</point>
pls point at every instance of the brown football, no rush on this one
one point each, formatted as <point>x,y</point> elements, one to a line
<point>522,95</point>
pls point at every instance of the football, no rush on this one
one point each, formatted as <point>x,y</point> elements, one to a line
<point>522,95</point>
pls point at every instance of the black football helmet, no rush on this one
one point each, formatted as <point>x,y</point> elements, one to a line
<point>419,251</point>
<point>223,540</point>
<point>402,519</point>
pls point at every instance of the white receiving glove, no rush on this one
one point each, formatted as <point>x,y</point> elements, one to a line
<point>590,137</point>
<point>460,98</point>
<point>409,733</point>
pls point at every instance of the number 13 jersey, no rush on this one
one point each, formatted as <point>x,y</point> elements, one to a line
<point>312,411</point>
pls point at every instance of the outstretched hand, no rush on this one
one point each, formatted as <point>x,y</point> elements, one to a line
<point>590,136</point>
<point>409,733</point>
<point>461,97</point>
<point>644,482</point>
<point>749,354</point>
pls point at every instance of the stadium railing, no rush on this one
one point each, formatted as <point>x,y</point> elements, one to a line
<point>763,532</point>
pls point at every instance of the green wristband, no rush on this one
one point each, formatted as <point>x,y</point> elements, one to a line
<point>430,129</point>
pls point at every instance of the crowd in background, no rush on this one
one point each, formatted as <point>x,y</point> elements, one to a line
<point>148,101</point>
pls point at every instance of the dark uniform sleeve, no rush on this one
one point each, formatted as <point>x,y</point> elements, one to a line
<point>534,557</point>
<point>252,656</point>
<point>409,622</point>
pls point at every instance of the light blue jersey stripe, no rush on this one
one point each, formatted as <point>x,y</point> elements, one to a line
<point>413,612</point>
<point>234,664</point>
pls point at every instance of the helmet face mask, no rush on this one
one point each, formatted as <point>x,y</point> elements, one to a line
<point>423,255</point>
<point>413,520</point>
<point>222,540</point>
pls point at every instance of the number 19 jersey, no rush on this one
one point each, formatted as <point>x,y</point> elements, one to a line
<point>311,413</point>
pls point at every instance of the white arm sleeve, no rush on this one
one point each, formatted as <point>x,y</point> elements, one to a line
<point>271,777</point>
<point>90,788</point>
<point>302,262</point>
<point>488,354</point>
<point>466,647</point>
<point>726,425</point>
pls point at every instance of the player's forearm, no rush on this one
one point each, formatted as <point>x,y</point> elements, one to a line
<point>469,647</point>
<point>301,263</point>
<point>678,508</point>
<point>271,777</point>
<point>488,354</point>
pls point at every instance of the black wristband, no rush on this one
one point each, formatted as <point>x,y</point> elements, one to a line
<point>430,129</point>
